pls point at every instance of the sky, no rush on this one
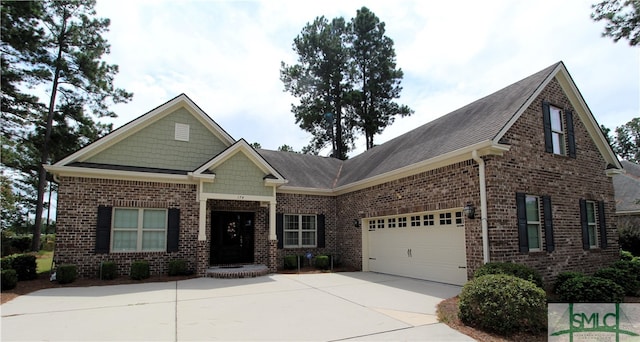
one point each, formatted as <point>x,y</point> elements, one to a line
<point>226,56</point>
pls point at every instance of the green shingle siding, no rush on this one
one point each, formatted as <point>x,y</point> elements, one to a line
<point>138,149</point>
<point>239,175</point>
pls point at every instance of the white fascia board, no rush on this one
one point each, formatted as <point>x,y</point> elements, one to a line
<point>117,174</point>
<point>285,189</point>
<point>628,212</point>
<point>235,197</point>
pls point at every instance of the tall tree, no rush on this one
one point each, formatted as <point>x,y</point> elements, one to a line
<point>377,81</point>
<point>67,59</point>
<point>320,81</point>
<point>622,19</point>
<point>627,140</point>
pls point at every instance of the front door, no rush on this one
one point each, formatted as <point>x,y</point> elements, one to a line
<point>231,237</point>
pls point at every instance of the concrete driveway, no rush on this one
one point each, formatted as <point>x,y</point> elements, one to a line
<point>308,307</point>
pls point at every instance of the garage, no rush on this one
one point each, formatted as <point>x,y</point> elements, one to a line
<point>428,245</point>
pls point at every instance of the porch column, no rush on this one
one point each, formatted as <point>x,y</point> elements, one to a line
<point>272,221</point>
<point>202,222</point>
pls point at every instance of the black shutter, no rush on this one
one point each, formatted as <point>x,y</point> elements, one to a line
<point>548,223</point>
<point>321,230</point>
<point>570,135</point>
<point>546,120</point>
<point>584,224</point>
<point>103,229</point>
<point>280,230</point>
<point>523,238</point>
<point>173,230</point>
<point>602,224</point>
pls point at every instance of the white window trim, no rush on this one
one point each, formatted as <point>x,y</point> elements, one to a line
<point>533,222</point>
<point>299,230</point>
<point>139,229</point>
<point>560,133</point>
<point>592,225</point>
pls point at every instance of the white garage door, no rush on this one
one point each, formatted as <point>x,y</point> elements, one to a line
<point>428,246</point>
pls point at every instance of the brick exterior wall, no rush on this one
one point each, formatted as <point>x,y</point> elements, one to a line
<point>78,201</point>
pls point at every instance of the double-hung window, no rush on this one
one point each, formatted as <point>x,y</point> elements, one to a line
<point>301,231</point>
<point>136,230</point>
<point>559,135</point>
<point>534,225</point>
<point>557,131</point>
<point>592,226</point>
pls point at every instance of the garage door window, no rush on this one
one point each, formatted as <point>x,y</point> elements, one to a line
<point>402,222</point>
<point>428,220</point>
<point>391,222</point>
<point>415,221</point>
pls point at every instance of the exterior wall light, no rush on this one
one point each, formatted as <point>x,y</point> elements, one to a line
<point>469,210</point>
<point>356,223</point>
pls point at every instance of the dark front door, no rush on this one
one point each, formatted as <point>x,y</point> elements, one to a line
<point>231,237</point>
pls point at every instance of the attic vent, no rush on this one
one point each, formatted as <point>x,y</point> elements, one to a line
<point>182,132</point>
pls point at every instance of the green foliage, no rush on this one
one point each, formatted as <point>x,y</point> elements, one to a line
<point>503,304</point>
<point>629,239</point>
<point>627,256</point>
<point>9,279</point>
<point>139,270</point>
<point>178,267</point>
<point>291,262</point>
<point>563,277</point>
<point>6,263</point>
<point>108,270</point>
<point>323,262</point>
<point>66,273</point>
<point>21,244</point>
<point>589,289</point>
<point>622,19</point>
<point>631,278</point>
<point>621,277</point>
<point>517,270</point>
<point>25,266</point>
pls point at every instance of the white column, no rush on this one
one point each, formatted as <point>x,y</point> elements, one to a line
<point>202,223</point>
<point>272,221</point>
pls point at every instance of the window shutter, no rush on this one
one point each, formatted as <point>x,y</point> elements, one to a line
<point>546,120</point>
<point>280,230</point>
<point>521,206</point>
<point>602,225</point>
<point>570,135</point>
<point>548,223</point>
<point>173,230</point>
<point>103,229</point>
<point>584,224</point>
<point>321,230</point>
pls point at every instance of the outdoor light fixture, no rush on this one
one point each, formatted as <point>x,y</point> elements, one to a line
<point>356,223</point>
<point>469,210</point>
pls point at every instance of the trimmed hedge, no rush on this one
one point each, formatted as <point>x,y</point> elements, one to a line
<point>108,270</point>
<point>629,239</point>
<point>621,277</point>
<point>509,268</point>
<point>590,289</point>
<point>503,304</point>
<point>178,267</point>
<point>323,262</point>
<point>291,261</point>
<point>25,266</point>
<point>563,277</point>
<point>66,273</point>
<point>140,270</point>
<point>9,279</point>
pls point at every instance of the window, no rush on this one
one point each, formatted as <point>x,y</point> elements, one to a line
<point>458,218</point>
<point>532,204</point>
<point>301,230</point>
<point>380,223</point>
<point>415,221</point>
<point>428,220</point>
<point>402,222</point>
<point>557,131</point>
<point>372,225</point>
<point>139,229</point>
<point>445,218</point>
<point>592,226</point>
<point>391,222</point>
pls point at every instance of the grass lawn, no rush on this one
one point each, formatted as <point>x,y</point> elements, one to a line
<point>43,261</point>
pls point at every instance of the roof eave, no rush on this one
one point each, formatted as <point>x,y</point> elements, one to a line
<point>72,171</point>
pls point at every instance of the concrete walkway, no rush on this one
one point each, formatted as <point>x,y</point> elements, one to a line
<point>308,307</point>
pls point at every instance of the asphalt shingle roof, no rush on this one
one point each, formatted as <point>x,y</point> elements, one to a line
<point>476,122</point>
<point>627,187</point>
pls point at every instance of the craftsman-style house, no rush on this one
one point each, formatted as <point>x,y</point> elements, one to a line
<point>521,175</point>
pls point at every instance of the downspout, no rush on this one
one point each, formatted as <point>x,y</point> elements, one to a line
<point>483,205</point>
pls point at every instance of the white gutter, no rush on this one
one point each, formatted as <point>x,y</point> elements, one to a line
<point>483,206</point>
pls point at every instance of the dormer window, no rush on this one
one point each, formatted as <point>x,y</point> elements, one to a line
<point>558,130</point>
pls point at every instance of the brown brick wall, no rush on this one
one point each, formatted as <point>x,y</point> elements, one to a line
<point>78,201</point>
<point>527,168</point>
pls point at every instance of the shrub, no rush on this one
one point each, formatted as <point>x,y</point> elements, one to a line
<point>627,256</point>
<point>6,263</point>
<point>140,270</point>
<point>563,277</point>
<point>25,266</point>
<point>509,268</point>
<point>589,289</point>
<point>322,262</point>
<point>620,277</point>
<point>178,267</point>
<point>291,261</point>
<point>21,243</point>
<point>108,270</point>
<point>629,239</point>
<point>631,280</point>
<point>503,304</point>
<point>66,273</point>
<point>9,279</point>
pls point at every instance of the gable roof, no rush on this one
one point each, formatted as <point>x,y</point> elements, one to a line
<point>145,120</point>
<point>627,189</point>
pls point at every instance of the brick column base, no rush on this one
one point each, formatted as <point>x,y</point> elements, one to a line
<point>273,256</point>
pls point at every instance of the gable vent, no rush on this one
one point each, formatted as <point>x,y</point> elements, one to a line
<point>182,132</point>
